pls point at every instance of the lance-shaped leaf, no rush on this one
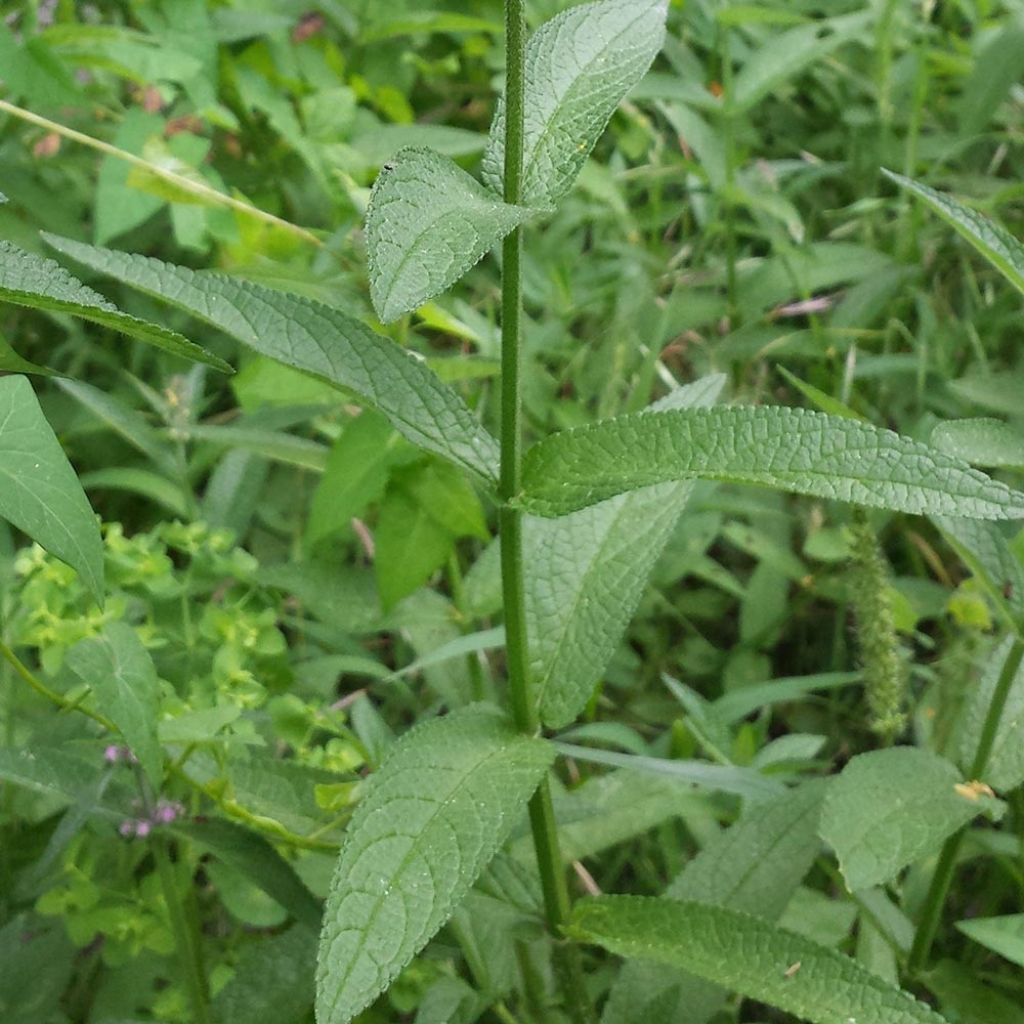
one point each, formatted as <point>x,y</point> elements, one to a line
<point>428,222</point>
<point>889,808</point>
<point>441,805</point>
<point>992,240</point>
<point>317,339</point>
<point>579,66</point>
<point>39,492</point>
<point>788,449</point>
<point>41,283</point>
<point>747,955</point>
<point>585,575</point>
<point>121,674</point>
<point>754,866</point>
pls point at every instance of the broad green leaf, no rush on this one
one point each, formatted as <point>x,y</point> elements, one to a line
<point>252,855</point>
<point>748,955</point>
<point>121,674</point>
<point>579,66</point>
<point>1005,769</point>
<point>586,573</point>
<point>992,240</point>
<point>788,449</point>
<point>755,866</point>
<point>997,66</point>
<point>963,996</point>
<point>39,492</point>
<point>441,805</point>
<point>428,222</point>
<point>889,808</point>
<point>37,961</point>
<point>996,392</point>
<point>1003,935</point>
<point>981,442</point>
<point>273,980</point>
<point>41,283</point>
<point>318,340</point>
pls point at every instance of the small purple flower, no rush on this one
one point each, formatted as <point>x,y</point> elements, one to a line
<point>167,811</point>
<point>112,754</point>
<point>127,828</point>
<point>143,828</point>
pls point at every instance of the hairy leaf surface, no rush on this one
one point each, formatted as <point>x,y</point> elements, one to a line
<point>888,808</point>
<point>121,674</point>
<point>579,66</point>
<point>317,339</point>
<point>990,239</point>
<point>585,575</point>
<point>39,492</point>
<point>428,222</point>
<point>748,955</point>
<point>441,805</point>
<point>40,283</point>
<point>789,449</point>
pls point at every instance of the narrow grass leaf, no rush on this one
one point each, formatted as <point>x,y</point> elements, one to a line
<point>990,239</point>
<point>441,805</point>
<point>579,66</point>
<point>40,493</point>
<point>41,283</point>
<point>428,222</point>
<point>747,955</point>
<point>787,449</point>
<point>889,808</point>
<point>317,339</point>
<point>121,674</point>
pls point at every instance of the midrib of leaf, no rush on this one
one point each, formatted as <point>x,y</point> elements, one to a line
<point>411,855</point>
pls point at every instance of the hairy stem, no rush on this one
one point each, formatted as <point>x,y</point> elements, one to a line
<point>510,520</point>
<point>946,868</point>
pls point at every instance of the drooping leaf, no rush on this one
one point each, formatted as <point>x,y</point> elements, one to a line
<point>579,66</point>
<point>788,449</point>
<point>39,492</point>
<point>1005,768</point>
<point>585,575</point>
<point>428,222</point>
<point>1003,935</point>
<point>748,955</point>
<point>121,674</point>
<point>755,866</point>
<point>316,339</point>
<point>888,808</point>
<point>441,805</point>
<point>990,239</point>
<point>41,283</point>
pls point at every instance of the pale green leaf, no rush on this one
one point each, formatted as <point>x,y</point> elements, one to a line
<point>579,66</point>
<point>40,283</point>
<point>998,65</point>
<point>1005,768</point>
<point>755,866</point>
<point>889,808</point>
<point>318,340</point>
<point>586,573</point>
<point>441,805</point>
<point>789,449</point>
<point>39,492</point>
<point>1003,935</point>
<point>964,997</point>
<point>990,239</point>
<point>121,674</point>
<point>428,222</point>
<point>981,442</point>
<point>747,955</point>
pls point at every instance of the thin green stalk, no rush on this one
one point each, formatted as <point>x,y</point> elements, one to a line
<point>946,868</point>
<point>510,521</point>
<point>729,204</point>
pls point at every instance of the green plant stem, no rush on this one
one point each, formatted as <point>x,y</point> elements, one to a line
<point>196,188</point>
<point>557,906</point>
<point>945,869</point>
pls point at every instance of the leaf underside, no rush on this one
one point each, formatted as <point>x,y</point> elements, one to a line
<point>439,808</point>
<point>788,449</point>
<point>317,339</point>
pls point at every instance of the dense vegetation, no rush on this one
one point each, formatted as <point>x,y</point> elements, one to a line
<point>315,316</point>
